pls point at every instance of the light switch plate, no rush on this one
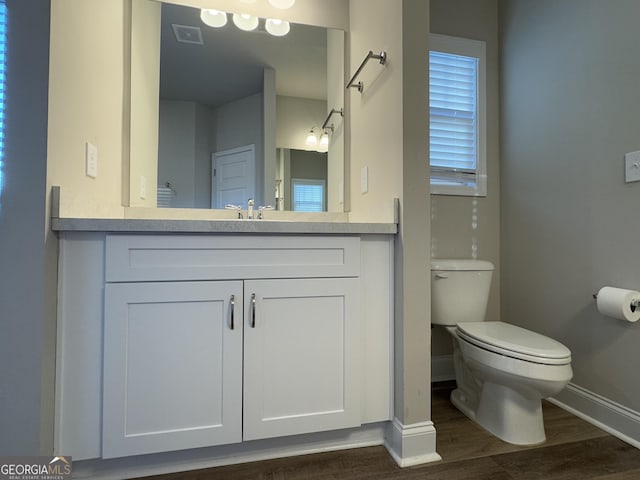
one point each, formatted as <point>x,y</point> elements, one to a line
<point>632,167</point>
<point>364,179</point>
<point>91,160</point>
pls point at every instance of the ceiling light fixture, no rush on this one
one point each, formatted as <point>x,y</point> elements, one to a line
<point>245,21</point>
<point>278,28</point>
<point>213,18</point>
<point>282,4</point>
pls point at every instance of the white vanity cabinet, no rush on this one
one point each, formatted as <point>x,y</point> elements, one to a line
<point>301,356</point>
<point>172,366</point>
<point>220,343</point>
<point>184,368</point>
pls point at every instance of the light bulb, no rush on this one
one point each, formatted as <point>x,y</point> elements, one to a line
<point>278,28</point>
<point>324,140</point>
<point>245,21</point>
<point>312,140</point>
<point>213,18</point>
<point>282,4</point>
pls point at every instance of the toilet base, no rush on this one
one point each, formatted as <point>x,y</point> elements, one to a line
<point>505,413</point>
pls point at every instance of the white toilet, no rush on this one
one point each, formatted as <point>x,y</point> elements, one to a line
<point>502,371</point>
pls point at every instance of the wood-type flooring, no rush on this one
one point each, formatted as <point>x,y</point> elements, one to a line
<point>574,450</point>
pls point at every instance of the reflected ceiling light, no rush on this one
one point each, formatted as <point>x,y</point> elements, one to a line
<point>213,18</point>
<point>311,140</point>
<point>324,140</point>
<point>276,27</point>
<point>245,21</point>
<point>282,4</point>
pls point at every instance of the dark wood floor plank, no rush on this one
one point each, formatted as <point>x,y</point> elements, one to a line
<point>477,469</point>
<point>360,463</point>
<point>564,427</point>
<point>460,438</point>
<point>628,475</point>
<point>575,450</point>
<point>572,461</point>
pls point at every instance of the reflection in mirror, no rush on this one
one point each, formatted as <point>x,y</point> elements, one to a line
<point>228,98</point>
<point>301,180</point>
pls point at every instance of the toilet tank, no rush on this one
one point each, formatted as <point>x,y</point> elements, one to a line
<point>459,290</point>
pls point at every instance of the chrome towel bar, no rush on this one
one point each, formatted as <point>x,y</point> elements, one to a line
<point>381,57</point>
<point>333,110</point>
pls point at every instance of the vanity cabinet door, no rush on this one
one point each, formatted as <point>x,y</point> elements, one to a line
<point>301,356</point>
<point>172,366</point>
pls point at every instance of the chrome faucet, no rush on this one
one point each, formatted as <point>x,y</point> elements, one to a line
<point>250,209</point>
<point>237,208</point>
<point>261,210</point>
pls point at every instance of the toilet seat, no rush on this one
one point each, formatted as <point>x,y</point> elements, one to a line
<point>515,342</point>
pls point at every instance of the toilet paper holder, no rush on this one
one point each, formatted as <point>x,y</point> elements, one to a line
<point>635,303</point>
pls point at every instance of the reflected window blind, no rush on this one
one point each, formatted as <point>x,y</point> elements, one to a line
<point>308,196</point>
<point>453,106</point>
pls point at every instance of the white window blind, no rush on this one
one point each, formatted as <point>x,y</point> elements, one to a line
<point>452,106</point>
<point>3,49</point>
<point>308,195</point>
<point>456,129</point>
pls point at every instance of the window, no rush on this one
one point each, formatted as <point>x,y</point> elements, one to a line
<point>308,195</point>
<point>457,153</point>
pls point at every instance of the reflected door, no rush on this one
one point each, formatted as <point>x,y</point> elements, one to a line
<point>233,176</point>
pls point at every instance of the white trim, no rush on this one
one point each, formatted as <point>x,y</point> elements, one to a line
<point>613,418</point>
<point>413,444</point>
<point>186,460</point>
<point>442,368</point>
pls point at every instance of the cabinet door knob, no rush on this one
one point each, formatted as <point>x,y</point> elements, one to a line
<point>253,310</point>
<point>233,308</point>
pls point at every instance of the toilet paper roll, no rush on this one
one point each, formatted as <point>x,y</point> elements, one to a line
<point>619,303</point>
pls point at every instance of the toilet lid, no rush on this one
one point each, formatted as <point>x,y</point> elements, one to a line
<point>515,342</point>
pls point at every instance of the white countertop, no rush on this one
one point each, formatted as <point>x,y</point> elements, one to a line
<point>158,220</point>
<point>218,226</point>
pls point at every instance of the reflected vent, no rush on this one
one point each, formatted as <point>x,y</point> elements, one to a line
<point>187,34</point>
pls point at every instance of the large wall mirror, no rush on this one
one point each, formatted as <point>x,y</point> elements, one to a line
<point>220,115</point>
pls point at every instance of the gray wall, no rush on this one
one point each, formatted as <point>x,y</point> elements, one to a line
<point>460,224</point>
<point>570,103</point>
<point>240,123</point>
<point>203,148</point>
<point>391,109</point>
<point>184,152</point>
<point>27,255</point>
<point>176,149</point>
<point>309,165</point>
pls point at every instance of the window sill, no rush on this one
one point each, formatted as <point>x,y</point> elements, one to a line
<point>478,189</point>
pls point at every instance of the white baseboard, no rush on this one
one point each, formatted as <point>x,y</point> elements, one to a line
<point>413,444</point>
<point>613,418</point>
<point>442,368</point>
<point>181,461</point>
